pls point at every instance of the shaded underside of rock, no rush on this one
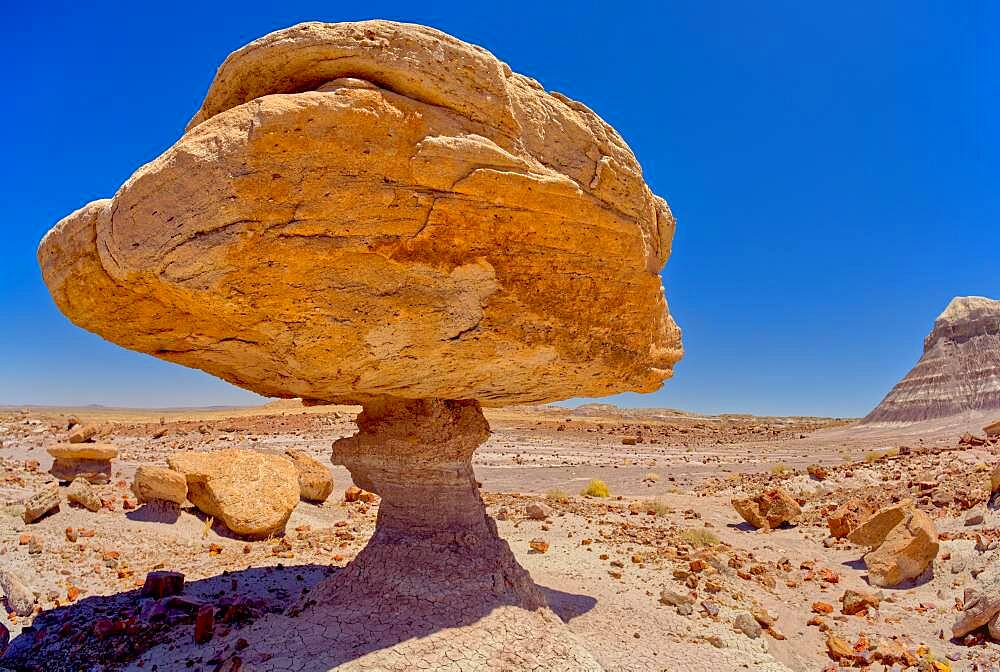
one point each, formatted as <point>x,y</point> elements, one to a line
<point>959,370</point>
<point>379,209</point>
<point>95,471</point>
<point>252,493</point>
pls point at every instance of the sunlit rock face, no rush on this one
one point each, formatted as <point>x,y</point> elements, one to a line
<point>959,370</point>
<point>379,209</point>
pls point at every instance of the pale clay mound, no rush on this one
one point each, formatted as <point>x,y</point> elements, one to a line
<point>377,208</point>
<point>959,371</point>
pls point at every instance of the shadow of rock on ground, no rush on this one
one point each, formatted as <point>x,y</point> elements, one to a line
<point>266,619</point>
<point>155,512</point>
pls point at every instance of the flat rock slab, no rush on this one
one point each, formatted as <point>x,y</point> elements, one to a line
<point>83,451</point>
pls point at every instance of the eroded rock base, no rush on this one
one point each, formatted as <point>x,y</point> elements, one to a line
<point>436,587</point>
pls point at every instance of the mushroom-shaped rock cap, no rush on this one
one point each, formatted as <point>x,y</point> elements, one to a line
<point>372,209</point>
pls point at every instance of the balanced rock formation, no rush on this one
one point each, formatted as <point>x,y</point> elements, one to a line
<point>159,484</point>
<point>91,461</point>
<point>379,213</point>
<point>768,510</point>
<point>902,542</point>
<point>315,480</point>
<point>959,370</point>
<point>251,493</point>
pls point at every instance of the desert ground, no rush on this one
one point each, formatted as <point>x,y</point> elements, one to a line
<point>661,574</point>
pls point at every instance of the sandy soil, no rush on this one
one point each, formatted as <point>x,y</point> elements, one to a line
<point>667,526</point>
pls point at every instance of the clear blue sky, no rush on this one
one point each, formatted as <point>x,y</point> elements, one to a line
<point>833,167</point>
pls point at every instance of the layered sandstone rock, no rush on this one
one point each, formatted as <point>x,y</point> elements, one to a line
<point>435,560</point>
<point>379,209</point>
<point>253,494</point>
<point>959,370</point>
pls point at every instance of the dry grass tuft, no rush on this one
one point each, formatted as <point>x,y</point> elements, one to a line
<point>596,488</point>
<point>656,507</point>
<point>698,537</point>
<point>557,496</point>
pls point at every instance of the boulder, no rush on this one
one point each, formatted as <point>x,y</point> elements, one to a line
<point>160,584</point>
<point>19,598</point>
<point>817,471</point>
<point>769,509</point>
<point>536,511</point>
<point>91,461</point>
<point>159,484</point>
<point>381,214</point>
<point>315,480</point>
<point>873,531</point>
<point>81,492</point>
<point>845,519</point>
<point>904,551</point>
<point>981,602</point>
<point>252,493</point>
<point>454,231</point>
<point>83,433</point>
<point>42,503</point>
<point>993,429</point>
<point>858,601</point>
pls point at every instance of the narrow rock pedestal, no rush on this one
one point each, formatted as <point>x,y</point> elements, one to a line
<point>433,542</point>
<point>436,584</point>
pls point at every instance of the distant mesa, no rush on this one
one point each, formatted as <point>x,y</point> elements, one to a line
<point>959,370</point>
